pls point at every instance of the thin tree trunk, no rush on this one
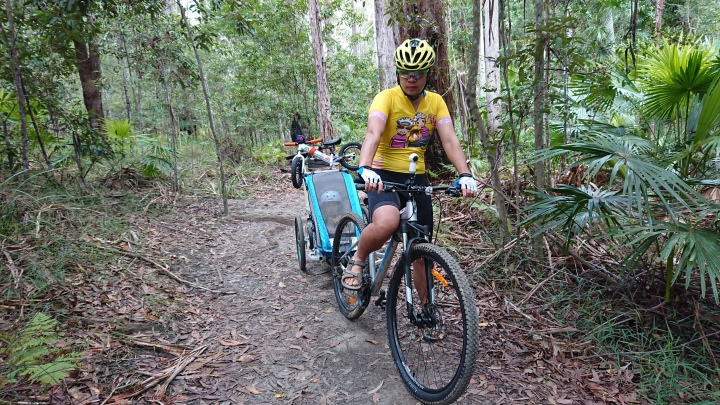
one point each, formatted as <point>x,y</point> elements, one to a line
<point>123,69</point>
<point>323,89</point>
<point>37,130</point>
<point>15,61</point>
<point>88,59</point>
<point>209,109</point>
<point>138,77</point>
<point>492,71</point>
<point>504,37</point>
<point>659,7</point>
<point>77,148</point>
<point>385,46</point>
<point>173,124</point>
<point>8,146</point>
<point>539,93</point>
<point>539,105</point>
<point>471,99</point>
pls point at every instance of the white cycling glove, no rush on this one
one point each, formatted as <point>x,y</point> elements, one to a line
<point>369,175</point>
<point>466,181</point>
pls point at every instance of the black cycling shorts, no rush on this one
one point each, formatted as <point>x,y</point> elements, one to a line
<point>398,200</point>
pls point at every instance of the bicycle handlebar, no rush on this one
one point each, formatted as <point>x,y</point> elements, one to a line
<point>389,187</point>
<point>319,140</point>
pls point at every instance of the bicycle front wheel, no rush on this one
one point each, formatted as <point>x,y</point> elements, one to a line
<point>347,234</point>
<point>435,359</point>
<point>296,171</point>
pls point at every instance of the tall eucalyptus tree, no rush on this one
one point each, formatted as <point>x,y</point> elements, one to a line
<point>322,87</point>
<point>385,45</point>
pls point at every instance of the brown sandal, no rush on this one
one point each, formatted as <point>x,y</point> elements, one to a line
<point>347,274</point>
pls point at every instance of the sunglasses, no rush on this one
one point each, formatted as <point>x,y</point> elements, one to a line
<point>404,127</point>
<point>418,74</point>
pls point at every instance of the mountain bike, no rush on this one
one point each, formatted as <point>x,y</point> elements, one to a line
<point>434,344</point>
<point>308,154</point>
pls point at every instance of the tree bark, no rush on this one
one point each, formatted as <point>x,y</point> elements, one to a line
<point>173,123</point>
<point>427,21</point>
<point>15,61</point>
<point>385,44</point>
<point>479,125</point>
<point>492,70</point>
<point>8,146</point>
<point>323,89</point>
<point>88,59</point>
<point>209,109</point>
<point>37,130</point>
<point>659,7</point>
<point>539,92</point>
<point>123,69</point>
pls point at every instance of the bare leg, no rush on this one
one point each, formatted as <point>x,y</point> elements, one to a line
<point>385,221</point>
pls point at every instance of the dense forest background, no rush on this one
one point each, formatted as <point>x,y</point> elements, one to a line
<point>592,126</point>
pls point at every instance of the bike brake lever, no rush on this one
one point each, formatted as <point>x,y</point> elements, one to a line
<point>454,192</point>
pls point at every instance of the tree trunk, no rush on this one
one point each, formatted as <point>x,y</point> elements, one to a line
<point>15,61</point>
<point>479,125</point>
<point>539,92</point>
<point>209,109</point>
<point>123,69</point>
<point>323,89</point>
<point>385,46</point>
<point>88,58</point>
<point>426,19</point>
<point>659,7</point>
<point>37,130</point>
<point>173,123</point>
<point>8,146</point>
<point>492,71</point>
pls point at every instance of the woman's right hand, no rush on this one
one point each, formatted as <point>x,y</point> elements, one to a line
<point>372,180</point>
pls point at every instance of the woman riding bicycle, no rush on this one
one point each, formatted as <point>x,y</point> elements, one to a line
<point>400,122</point>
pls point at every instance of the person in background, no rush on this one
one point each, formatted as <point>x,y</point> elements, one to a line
<point>295,128</point>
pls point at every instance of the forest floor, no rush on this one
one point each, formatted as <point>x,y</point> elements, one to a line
<point>202,308</point>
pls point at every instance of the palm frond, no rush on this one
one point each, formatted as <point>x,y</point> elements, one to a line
<point>709,119</point>
<point>576,209</point>
<point>643,180</point>
<point>673,75</point>
<point>694,247</point>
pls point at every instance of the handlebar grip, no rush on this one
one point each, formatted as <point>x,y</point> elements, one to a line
<point>290,143</point>
<point>319,140</point>
<point>360,186</point>
<point>454,192</point>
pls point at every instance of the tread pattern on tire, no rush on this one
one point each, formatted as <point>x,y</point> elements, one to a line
<point>296,172</point>
<point>355,312</point>
<point>465,370</point>
<point>300,239</point>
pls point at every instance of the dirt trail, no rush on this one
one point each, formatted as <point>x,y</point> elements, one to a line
<point>278,337</point>
<point>299,349</point>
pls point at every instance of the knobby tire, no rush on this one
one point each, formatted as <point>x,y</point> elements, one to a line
<point>296,172</point>
<point>300,244</point>
<point>437,363</point>
<point>352,303</point>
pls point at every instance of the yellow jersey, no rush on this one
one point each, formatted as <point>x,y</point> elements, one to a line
<point>406,130</point>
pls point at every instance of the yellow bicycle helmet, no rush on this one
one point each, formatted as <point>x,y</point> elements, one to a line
<point>414,54</point>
